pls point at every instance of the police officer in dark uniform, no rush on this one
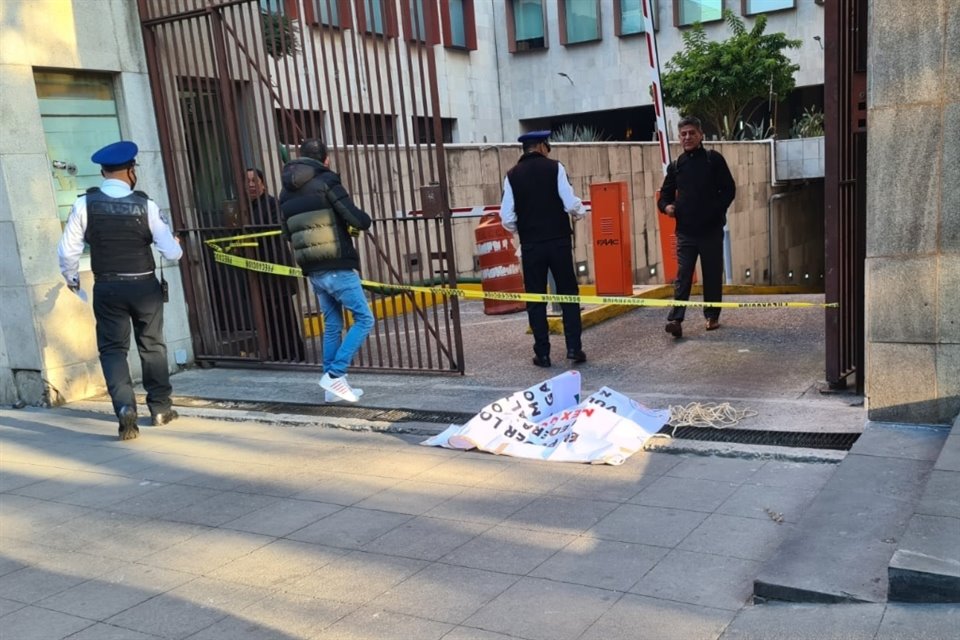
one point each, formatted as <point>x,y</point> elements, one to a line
<point>120,225</point>
<point>538,203</point>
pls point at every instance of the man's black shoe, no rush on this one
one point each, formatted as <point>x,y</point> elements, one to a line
<point>541,361</point>
<point>128,423</point>
<point>577,356</point>
<point>674,328</point>
<point>164,417</point>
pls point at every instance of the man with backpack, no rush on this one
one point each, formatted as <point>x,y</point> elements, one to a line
<point>696,192</point>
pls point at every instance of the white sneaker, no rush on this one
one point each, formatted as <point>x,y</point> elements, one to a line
<point>331,397</point>
<point>338,387</point>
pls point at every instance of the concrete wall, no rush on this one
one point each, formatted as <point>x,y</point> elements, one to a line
<point>47,345</point>
<point>913,211</point>
<point>475,175</point>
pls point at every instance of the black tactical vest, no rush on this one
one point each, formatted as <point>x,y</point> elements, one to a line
<point>118,233</point>
<point>540,213</point>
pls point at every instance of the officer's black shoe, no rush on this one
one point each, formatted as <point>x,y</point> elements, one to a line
<point>164,417</point>
<point>577,355</point>
<point>128,423</point>
<point>674,328</point>
<point>541,361</point>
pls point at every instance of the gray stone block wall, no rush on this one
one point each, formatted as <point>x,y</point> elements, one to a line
<point>913,212</point>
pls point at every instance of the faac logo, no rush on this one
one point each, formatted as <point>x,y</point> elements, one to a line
<point>608,242</point>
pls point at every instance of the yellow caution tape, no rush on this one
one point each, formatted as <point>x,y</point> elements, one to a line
<point>221,255</point>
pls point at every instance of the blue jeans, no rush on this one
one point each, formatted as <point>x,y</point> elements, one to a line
<point>339,290</point>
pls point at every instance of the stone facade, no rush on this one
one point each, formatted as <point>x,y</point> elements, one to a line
<point>48,345</point>
<point>913,208</point>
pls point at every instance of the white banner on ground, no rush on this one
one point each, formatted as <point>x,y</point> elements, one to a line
<point>549,422</point>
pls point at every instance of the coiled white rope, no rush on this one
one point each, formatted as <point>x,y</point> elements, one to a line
<point>709,414</point>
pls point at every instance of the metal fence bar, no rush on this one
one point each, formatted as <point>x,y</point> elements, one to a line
<point>227,101</point>
<point>844,190</point>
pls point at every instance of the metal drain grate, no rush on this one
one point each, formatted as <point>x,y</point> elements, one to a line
<point>353,412</point>
<point>796,439</point>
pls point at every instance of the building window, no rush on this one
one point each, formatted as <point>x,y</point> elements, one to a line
<point>296,125</point>
<point>420,22</point>
<point>79,115</point>
<point>376,17</point>
<point>368,128</point>
<point>326,12</point>
<point>686,12</point>
<point>423,129</point>
<point>751,7</point>
<point>579,21</point>
<point>459,24</point>
<point>526,26</point>
<point>317,12</point>
<point>628,16</point>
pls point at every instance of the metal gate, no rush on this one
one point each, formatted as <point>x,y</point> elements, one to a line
<point>845,126</point>
<point>237,85</point>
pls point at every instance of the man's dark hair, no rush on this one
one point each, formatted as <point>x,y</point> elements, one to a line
<point>694,121</point>
<point>256,171</point>
<point>314,149</point>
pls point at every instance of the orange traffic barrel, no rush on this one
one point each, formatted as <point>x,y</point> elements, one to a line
<point>499,265</point>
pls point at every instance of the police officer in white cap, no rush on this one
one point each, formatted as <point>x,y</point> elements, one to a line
<point>120,225</point>
<point>538,203</point>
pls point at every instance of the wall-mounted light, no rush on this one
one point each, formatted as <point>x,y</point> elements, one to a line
<point>806,276</point>
<point>790,275</point>
<point>746,274</point>
<point>581,268</point>
<point>653,271</point>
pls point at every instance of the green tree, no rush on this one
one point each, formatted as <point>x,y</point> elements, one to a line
<point>280,34</point>
<point>716,81</point>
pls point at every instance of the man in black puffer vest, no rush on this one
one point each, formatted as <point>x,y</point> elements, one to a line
<point>320,220</point>
<point>120,225</point>
<point>538,203</point>
<point>696,191</point>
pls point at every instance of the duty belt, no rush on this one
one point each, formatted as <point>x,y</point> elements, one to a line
<point>117,277</point>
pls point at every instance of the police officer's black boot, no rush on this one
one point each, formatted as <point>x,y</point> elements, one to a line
<point>164,417</point>
<point>542,361</point>
<point>128,423</point>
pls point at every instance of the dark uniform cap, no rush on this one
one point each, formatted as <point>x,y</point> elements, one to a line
<point>535,136</point>
<point>116,154</point>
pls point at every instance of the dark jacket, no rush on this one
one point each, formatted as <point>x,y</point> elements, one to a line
<point>701,188</point>
<point>265,211</point>
<point>540,213</point>
<point>317,215</point>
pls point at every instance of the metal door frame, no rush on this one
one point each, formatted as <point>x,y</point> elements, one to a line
<point>845,128</point>
<point>223,41</point>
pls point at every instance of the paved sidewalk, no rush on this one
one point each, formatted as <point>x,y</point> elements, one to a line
<point>208,529</point>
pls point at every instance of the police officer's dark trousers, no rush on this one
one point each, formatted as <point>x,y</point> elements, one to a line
<point>555,256</point>
<point>118,304</point>
<point>709,248</point>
